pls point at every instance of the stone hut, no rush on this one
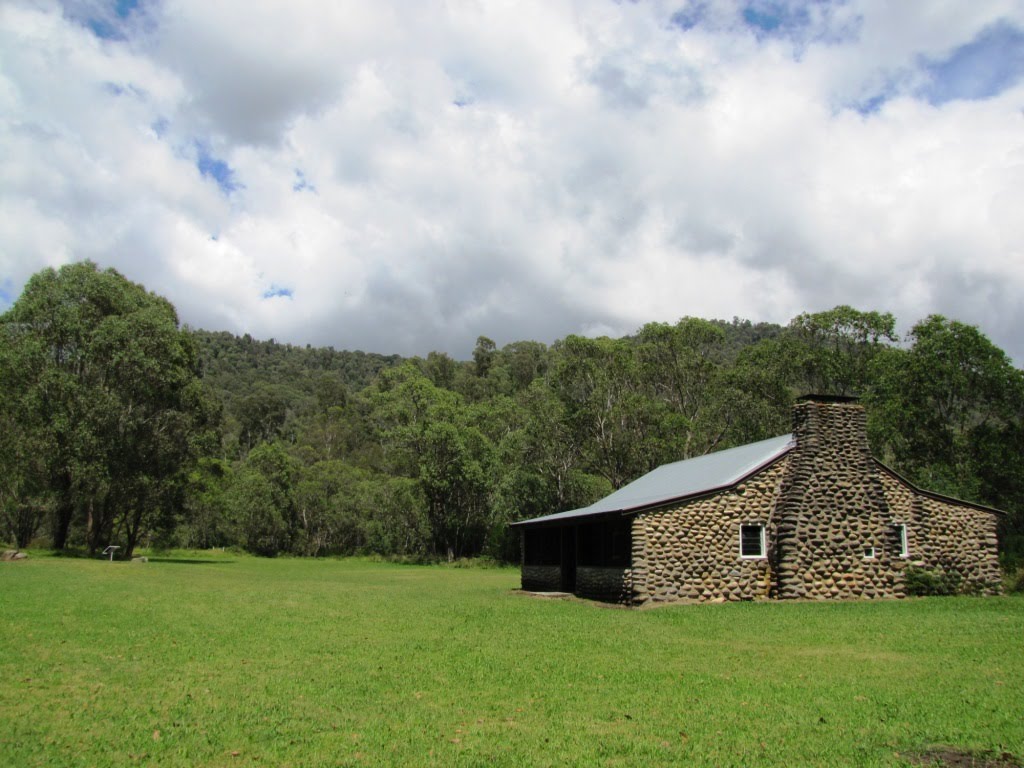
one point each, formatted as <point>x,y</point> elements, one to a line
<point>807,515</point>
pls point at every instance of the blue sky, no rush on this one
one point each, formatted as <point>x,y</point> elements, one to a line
<point>277,292</point>
<point>983,68</point>
<point>404,178</point>
<point>106,20</point>
<point>216,169</point>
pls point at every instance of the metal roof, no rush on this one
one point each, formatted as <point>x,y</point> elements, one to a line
<point>681,479</point>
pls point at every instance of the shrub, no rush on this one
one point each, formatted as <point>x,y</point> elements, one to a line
<point>921,582</point>
<point>1013,581</point>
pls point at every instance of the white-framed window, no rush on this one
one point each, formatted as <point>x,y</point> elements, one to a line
<point>869,553</point>
<point>752,545</point>
<point>901,539</point>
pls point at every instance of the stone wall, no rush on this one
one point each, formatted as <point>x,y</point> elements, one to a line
<point>692,552</point>
<point>834,538</point>
<point>944,535</point>
<point>542,578</point>
<point>601,583</point>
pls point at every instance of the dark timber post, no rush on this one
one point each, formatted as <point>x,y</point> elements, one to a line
<point>569,558</point>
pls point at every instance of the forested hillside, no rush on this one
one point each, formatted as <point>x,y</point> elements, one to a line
<point>315,451</point>
<point>264,385</point>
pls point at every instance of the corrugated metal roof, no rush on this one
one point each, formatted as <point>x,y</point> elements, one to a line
<point>692,477</point>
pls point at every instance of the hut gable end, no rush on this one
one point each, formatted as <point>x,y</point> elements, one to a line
<point>834,530</point>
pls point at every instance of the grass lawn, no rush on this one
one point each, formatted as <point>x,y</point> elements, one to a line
<point>236,661</point>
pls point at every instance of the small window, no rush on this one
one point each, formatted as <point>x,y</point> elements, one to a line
<point>752,540</point>
<point>901,539</point>
<point>869,553</point>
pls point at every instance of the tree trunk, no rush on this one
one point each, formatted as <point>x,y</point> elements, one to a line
<point>132,533</point>
<point>24,523</point>
<point>90,533</point>
<point>63,513</point>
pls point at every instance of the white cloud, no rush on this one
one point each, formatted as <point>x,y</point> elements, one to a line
<point>408,177</point>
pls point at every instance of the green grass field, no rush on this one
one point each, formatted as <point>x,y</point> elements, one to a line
<point>234,661</point>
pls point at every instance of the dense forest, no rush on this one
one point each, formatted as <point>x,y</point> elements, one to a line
<point>120,426</point>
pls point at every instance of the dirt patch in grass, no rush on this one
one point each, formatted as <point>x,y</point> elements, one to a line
<point>546,595</point>
<point>569,596</point>
<point>949,757</point>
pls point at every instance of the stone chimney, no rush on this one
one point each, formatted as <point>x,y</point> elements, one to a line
<point>833,537</point>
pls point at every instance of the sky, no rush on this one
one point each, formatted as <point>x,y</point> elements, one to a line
<point>402,177</point>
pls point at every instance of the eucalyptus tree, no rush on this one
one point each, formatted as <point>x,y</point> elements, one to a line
<point>261,500</point>
<point>394,520</point>
<point>428,435</point>
<point>833,350</point>
<point>331,510</point>
<point>440,368</point>
<point>622,430</point>
<point>758,392</point>
<point>262,414</point>
<point>526,361</point>
<point>207,523</point>
<point>483,355</point>
<point>543,461</point>
<point>949,412</point>
<point>684,367</point>
<point>109,382</point>
<point>24,496</point>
